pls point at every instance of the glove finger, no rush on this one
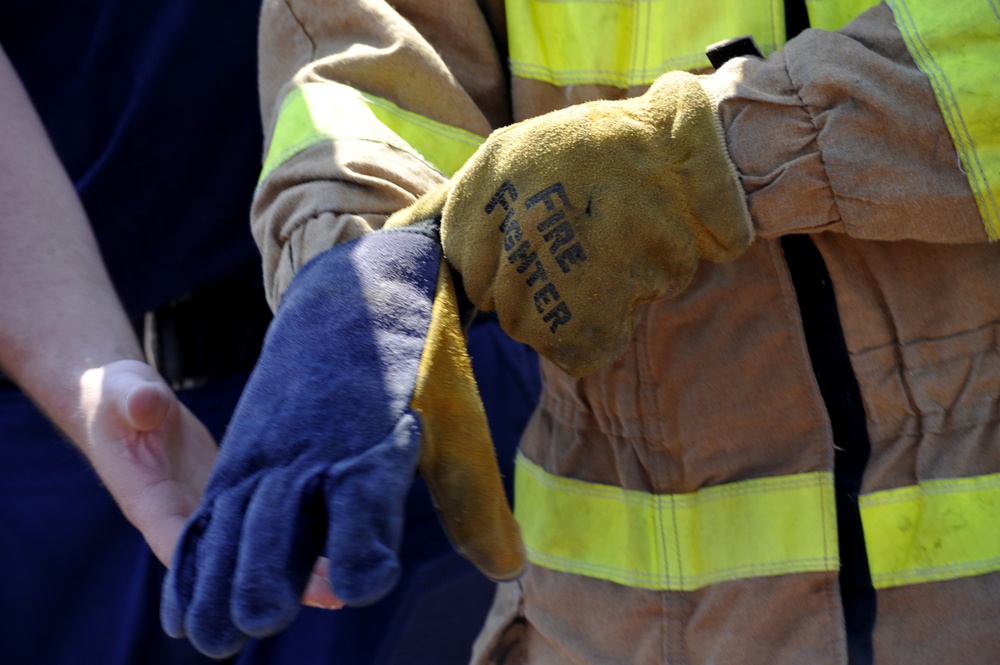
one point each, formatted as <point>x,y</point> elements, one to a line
<point>178,585</point>
<point>208,623</point>
<point>283,534</point>
<point>457,458</point>
<point>365,497</point>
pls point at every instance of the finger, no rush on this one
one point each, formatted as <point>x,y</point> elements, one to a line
<point>283,533</point>
<point>207,622</point>
<point>133,388</point>
<point>318,592</point>
<point>147,404</point>
<point>365,498</point>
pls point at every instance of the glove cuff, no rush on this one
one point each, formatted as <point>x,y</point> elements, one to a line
<point>684,107</point>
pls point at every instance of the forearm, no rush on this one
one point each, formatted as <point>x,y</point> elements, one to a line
<point>841,132</point>
<point>436,73</point>
<point>60,314</point>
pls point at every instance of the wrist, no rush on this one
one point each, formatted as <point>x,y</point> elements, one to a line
<point>55,381</point>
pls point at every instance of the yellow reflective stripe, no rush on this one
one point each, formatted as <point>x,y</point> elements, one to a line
<point>937,530</point>
<point>835,14</point>
<point>956,44</point>
<point>623,43</point>
<point>677,542</point>
<point>318,112</point>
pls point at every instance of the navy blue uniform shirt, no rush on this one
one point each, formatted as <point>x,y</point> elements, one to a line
<point>152,106</point>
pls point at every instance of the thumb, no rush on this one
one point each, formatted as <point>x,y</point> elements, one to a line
<point>135,391</point>
<point>147,404</point>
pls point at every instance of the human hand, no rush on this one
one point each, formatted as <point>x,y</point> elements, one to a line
<point>566,223</point>
<point>155,457</point>
<point>152,453</point>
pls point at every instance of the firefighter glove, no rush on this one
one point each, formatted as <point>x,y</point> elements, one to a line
<point>363,378</point>
<point>567,223</point>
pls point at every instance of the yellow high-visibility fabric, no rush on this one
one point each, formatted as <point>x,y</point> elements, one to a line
<point>937,530</point>
<point>625,43</point>
<point>677,542</point>
<point>317,112</point>
<point>835,14</point>
<point>956,44</point>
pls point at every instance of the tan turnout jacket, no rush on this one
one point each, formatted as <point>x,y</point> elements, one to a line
<point>839,136</point>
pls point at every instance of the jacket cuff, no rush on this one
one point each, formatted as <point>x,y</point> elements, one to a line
<point>841,131</point>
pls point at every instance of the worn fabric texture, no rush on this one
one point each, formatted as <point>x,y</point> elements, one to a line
<point>622,200</point>
<point>325,468</point>
<point>865,143</point>
<point>920,318</point>
<point>838,136</point>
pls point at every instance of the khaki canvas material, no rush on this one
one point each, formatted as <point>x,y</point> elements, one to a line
<point>838,135</point>
<point>652,421</point>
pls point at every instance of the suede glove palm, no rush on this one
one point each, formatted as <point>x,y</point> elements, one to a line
<point>566,223</point>
<point>363,377</point>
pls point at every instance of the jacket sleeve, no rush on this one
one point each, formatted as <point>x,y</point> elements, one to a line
<point>366,106</point>
<point>841,131</point>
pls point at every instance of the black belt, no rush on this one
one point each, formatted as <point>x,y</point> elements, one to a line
<point>211,333</point>
<point>215,332</point>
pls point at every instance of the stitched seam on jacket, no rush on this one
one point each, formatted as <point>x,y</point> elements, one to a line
<point>962,138</point>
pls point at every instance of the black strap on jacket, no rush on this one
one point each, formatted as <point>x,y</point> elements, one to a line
<point>842,398</point>
<point>838,386</point>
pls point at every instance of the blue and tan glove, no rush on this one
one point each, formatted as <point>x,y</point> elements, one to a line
<point>363,377</point>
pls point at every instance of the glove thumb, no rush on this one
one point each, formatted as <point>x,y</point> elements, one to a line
<point>457,458</point>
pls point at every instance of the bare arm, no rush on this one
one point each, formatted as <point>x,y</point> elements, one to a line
<point>61,316</point>
<point>65,338</point>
